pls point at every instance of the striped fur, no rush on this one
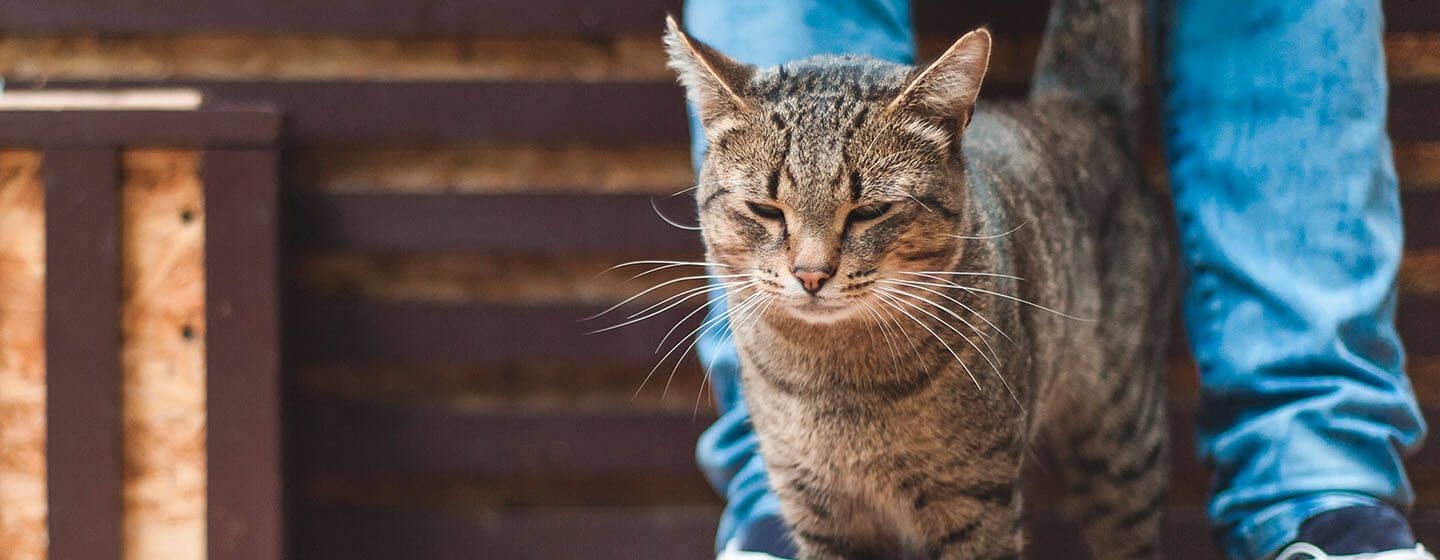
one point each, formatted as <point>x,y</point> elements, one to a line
<point>897,407</point>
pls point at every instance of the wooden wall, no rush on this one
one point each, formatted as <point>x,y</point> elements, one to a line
<point>459,173</point>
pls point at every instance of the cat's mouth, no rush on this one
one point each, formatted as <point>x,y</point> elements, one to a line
<point>821,309</point>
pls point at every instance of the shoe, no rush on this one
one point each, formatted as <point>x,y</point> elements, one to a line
<point>1307,551</point>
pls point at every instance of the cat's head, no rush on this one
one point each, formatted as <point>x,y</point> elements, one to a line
<point>826,175</point>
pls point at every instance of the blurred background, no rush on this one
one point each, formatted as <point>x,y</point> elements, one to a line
<point>435,186</point>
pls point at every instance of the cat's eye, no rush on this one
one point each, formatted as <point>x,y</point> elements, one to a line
<point>869,212</point>
<point>766,211</point>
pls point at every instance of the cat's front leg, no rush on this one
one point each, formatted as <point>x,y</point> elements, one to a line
<point>826,524</point>
<point>972,520</point>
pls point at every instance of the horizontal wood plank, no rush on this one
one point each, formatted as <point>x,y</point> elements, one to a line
<point>210,127</point>
<point>360,438</point>
<point>341,111</point>
<point>329,330</point>
<point>521,222</point>
<point>495,17</point>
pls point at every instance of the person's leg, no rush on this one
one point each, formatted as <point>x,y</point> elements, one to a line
<point>1290,228</point>
<point>768,33</point>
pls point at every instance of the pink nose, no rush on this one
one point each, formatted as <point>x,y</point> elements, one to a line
<point>812,279</point>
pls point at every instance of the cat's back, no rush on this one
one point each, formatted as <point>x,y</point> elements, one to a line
<point>1051,151</point>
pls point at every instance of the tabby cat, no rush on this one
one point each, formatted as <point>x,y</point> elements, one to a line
<point>930,287</point>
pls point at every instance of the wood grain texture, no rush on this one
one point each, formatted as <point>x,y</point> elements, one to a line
<point>163,353</point>
<point>22,357</point>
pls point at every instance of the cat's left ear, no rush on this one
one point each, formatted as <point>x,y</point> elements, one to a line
<point>947,89</point>
<point>712,81</point>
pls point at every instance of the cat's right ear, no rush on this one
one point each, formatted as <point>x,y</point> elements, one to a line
<point>712,80</point>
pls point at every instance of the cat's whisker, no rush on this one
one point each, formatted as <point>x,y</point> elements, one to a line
<point>682,191</point>
<point>893,300</point>
<point>658,269</point>
<point>757,298</point>
<point>708,322</point>
<point>988,237</point>
<point>900,329</point>
<point>967,339</point>
<point>662,285</point>
<point>884,332</point>
<point>936,334</point>
<point>921,286</point>
<point>710,365</point>
<point>949,284</point>
<point>964,273</point>
<point>688,294</point>
<point>698,309</point>
<point>663,265</point>
<point>656,261</point>
<point>1026,302</point>
<point>656,208</point>
<point>869,332</point>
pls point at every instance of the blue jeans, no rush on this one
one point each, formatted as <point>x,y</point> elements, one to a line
<point>1288,210</point>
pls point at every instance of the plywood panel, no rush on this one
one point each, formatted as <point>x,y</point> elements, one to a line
<point>22,357</point>
<point>163,328</point>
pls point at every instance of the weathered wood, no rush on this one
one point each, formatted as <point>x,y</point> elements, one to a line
<point>82,352</point>
<point>243,353</point>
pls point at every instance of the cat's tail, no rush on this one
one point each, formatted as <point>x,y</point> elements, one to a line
<point>1092,53</point>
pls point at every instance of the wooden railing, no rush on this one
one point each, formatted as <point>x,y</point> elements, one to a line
<point>157,253</point>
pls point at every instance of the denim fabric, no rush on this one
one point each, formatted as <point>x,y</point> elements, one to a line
<point>1288,210</point>
<point>1289,215</point>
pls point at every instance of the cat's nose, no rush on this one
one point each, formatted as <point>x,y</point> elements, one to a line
<point>812,278</point>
